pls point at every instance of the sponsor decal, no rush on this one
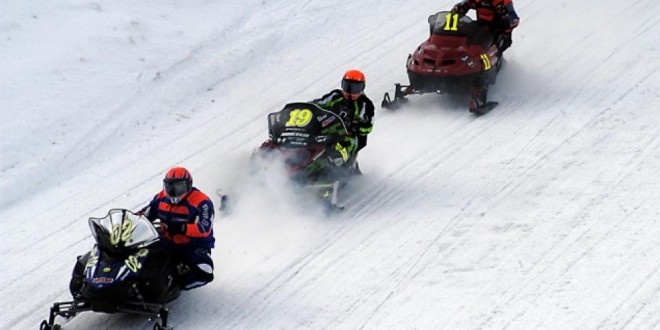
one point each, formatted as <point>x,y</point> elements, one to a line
<point>205,212</point>
<point>102,280</point>
<point>107,269</point>
<point>295,134</point>
<point>328,121</point>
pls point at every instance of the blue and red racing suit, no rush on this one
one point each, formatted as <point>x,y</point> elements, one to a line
<point>188,233</point>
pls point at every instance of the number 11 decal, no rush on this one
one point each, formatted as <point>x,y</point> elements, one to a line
<point>452,22</point>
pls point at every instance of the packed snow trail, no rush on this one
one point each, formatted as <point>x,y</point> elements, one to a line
<point>540,214</point>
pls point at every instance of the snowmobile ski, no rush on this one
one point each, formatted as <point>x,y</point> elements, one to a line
<point>223,200</point>
<point>484,109</point>
<point>399,100</point>
<point>328,193</point>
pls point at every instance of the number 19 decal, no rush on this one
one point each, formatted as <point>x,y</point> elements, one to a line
<point>452,22</point>
<point>300,118</point>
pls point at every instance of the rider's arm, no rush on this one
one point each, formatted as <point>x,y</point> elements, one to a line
<point>365,116</point>
<point>151,210</point>
<point>203,223</point>
<point>511,16</point>
<point>462,7</point>
<point>329,100</point>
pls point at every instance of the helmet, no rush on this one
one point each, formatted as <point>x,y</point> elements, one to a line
<point>353,82</point>
<point>177,183</point>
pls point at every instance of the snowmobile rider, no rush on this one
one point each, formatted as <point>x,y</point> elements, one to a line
<point>498,16</point>
<point>354,107</point>
<point>187,216</point>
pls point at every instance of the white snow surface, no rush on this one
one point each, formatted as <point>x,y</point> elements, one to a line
<point>542,214</point>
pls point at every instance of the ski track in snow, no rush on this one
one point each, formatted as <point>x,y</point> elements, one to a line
<point>540,214</point>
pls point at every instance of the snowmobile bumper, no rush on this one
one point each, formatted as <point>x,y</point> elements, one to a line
<point>430,83</point>
<point>70,309</point>
<point>422,84</point>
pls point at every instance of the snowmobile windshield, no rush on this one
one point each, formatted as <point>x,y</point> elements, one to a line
<point>121,231</point>
<point>303,125</point>
<point>446,23</point>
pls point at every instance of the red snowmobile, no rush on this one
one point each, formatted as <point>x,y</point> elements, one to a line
<point>460,56</point>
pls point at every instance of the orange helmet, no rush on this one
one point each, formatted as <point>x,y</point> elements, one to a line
<point>177,183</point>
<point>353,82</point>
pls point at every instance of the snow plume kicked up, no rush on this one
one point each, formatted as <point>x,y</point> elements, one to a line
<point>276,214</point>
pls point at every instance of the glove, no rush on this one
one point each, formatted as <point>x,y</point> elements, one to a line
<point>364,128</point>
<point>177,228</point>
<point>459,9</point>
<point>353,126</point>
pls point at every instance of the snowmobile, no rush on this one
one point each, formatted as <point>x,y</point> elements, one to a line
<point>459,56</point>
<point>300,136</point>
<point>125,272</point>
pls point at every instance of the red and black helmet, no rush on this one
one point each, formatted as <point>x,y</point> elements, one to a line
<point>353,82</point>
<point>177,183</point>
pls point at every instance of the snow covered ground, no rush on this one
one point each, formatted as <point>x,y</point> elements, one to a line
<point>541,214</point>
